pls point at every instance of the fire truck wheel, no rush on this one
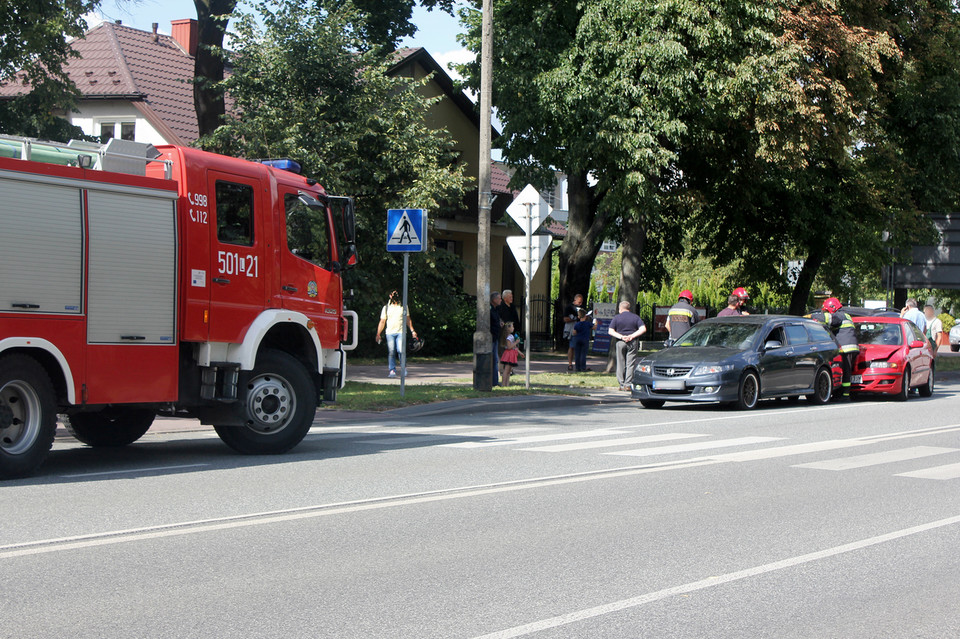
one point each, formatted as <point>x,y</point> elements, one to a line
<point>112,427</point>
<point>28,415</point>
<point>280,402</point>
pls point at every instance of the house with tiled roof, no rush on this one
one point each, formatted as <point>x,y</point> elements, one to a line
<point>137,85</point>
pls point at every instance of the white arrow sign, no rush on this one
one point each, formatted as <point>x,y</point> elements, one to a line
<point>538,249</point>
<point>529,200</point>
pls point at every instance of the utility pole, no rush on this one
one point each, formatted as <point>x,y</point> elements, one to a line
<point>482,340</point>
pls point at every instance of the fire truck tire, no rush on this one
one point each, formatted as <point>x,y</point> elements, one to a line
<point>279,402</point>
<point>28,415</point>
<point>112,427</point>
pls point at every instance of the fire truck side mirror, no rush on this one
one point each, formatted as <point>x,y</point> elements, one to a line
<point>350,227</point>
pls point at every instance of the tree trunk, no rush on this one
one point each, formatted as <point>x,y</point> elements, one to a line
<point>208,65</point>
<point>801,292</point>
<point>585,229</point>
<point>634,242</point>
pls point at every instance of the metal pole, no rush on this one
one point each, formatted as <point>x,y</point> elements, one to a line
<point>527,278</point>
<point>403,326</point>
<point>482,339</point>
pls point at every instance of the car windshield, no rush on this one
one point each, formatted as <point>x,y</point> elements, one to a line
<point>887,334</point>
<point>738,336</point>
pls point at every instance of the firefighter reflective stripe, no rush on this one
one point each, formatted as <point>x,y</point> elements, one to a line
<point>682,312</point>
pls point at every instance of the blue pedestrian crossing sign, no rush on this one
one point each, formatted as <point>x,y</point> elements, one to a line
<point>406,230</point>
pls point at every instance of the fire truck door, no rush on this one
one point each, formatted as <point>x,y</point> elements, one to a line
<point>308,284</point>
<point>238,268</point>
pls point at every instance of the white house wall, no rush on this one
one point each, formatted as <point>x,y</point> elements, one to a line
<point>90,114</point>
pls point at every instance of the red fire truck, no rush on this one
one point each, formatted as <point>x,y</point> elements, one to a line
<point>139,280</point>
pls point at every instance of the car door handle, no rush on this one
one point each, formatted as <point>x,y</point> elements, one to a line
<point>289,289</point>
<point>221,280</point>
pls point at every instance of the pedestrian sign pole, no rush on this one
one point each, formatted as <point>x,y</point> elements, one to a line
<point>529,210</point>
<point>406,233</point>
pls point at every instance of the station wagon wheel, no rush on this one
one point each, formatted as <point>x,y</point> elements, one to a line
<point>749,391</point>
<point>927,389</point>
<point>905,389</point>
<point>822,387</point>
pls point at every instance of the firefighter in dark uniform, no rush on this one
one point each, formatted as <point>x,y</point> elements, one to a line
<point>681,316</point>
<point>845,331</point>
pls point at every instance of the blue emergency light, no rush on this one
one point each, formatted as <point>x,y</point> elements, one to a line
<point>284,164</point>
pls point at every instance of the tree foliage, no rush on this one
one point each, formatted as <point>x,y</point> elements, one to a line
<point>34,46</point>
<point>789,129</point>
<point>302,89</point>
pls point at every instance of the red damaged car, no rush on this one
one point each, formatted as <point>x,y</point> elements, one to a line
<point>894,358</point>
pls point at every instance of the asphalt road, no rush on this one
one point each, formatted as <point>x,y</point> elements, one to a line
<point>608,521</point>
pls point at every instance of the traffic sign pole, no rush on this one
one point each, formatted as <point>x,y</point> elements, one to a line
<point>526,298</point>
<point>403,331</point>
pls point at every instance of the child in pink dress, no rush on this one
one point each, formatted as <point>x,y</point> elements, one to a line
<point>510,349</point>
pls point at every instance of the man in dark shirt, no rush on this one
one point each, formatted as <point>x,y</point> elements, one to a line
<point>626,327</point>
<point>681,316</point>
<point>495,325</point>
<point>733,307</point>
<point>508,312</point>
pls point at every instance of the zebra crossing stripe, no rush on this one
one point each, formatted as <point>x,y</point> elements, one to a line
<point>875,459</point>
<point>684,448</point>
<point>950,471</point>
<point>607,443</point>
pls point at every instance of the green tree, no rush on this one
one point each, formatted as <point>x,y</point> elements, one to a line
<point>377,24</point>
<point>34,46</point>
<point>302,89</point>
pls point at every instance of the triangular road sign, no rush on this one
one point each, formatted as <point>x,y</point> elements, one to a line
<point>540,244</point>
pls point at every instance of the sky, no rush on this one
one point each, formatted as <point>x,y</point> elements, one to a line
<point>437,31</point>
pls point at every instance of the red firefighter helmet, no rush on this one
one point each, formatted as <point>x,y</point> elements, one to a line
<point>831,305</point>
<point>685,294</point>
<point>741,293</point>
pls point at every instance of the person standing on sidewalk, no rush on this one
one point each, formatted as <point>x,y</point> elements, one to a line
<point>626,327</point>
<point>581,340</point>
<point>495,324</point>
<point>510,347</point>
<point>569,319</point>
<point>391,319</point>
<point>508,312</point>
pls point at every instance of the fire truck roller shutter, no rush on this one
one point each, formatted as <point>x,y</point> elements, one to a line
<point>133,262</point>
<point>41,247</point>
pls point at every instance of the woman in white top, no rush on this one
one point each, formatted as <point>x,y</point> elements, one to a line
<point>391,319</point>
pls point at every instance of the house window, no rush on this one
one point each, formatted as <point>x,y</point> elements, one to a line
<point>608,246</point>
<point>116,129</point>
<point>451,246</point>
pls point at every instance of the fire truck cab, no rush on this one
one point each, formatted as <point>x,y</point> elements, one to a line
<point>139,281</point>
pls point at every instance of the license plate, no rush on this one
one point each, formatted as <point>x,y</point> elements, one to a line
<point>856,379</point>
<point>670,384</point>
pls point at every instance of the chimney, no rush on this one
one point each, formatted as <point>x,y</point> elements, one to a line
<point>186,33</point>
<point>155,36</point>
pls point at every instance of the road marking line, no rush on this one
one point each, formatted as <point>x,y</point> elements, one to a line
<point>606,443</point>
<point>177,529</point>
<point>833,444</point>
<point>710,582</point>
<point>600,432</point>
<point>950,471</point>
<point>437,437</point>
<point>701,420</point>
<point>685,448</point>
<point>876,459</point>
<point>134,470</point>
